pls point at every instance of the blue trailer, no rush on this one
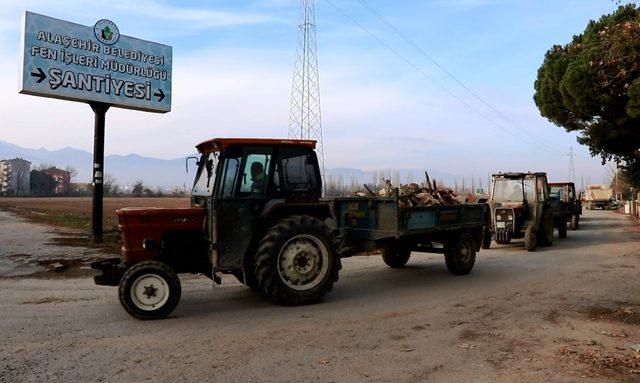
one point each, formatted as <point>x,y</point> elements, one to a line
<point>368,224</point>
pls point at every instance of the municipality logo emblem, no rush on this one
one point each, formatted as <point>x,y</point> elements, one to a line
<point>106,32</point>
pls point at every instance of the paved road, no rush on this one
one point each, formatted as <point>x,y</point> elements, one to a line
<point>553,315</point>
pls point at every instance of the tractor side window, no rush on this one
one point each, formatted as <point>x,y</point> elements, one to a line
<point>298,170</point>
<point>541,188</point>
<point>229,177</point>
<point>205,177</point>
<point>256,175</point>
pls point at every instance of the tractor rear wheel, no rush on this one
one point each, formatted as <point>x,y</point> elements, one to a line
<point>575,222</point>
<point>396,257</point>
<point>149,290</point>
<point>460,254</point>
<point>297,262</point>
<point>486,238</point>
<point>546,229</point>
<point>530,238</point>
<point>562,229</point>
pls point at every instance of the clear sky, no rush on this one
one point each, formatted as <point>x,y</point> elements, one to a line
<point>233,63</point>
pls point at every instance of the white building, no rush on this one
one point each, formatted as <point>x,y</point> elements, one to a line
<point>15,177</point>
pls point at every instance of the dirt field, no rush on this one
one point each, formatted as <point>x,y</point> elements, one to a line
<point>566,313</point>
<point>76,212</point>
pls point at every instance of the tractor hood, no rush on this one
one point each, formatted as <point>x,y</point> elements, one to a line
<point>512,205</point>
<point>142,229</point>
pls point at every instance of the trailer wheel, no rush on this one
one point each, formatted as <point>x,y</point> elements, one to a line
<point>396,257</point>
<point>486,238</point>
<point>460,254</point>
<point>297,263</point>
<point>149,290</point>
<point>530,238</point>
<point>575,222</point>
<point>562,229</point>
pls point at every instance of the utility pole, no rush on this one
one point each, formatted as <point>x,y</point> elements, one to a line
<point>305,118</point>
<point>572,169</point>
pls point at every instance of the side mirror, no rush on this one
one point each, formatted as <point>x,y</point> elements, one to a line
<point>186,162</point>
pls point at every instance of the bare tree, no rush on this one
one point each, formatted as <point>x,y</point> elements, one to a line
<point>44,166</point>
<point>73,172</point>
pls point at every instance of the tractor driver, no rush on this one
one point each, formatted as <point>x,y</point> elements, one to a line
<point>258,178</point>
<point>516,194</point>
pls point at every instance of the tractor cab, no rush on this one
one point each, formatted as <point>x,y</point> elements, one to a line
<point>565,194</point>
<point>519,205</point>
<point>241,181</point>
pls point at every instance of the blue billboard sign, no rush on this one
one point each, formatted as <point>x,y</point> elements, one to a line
<point>75,62</point>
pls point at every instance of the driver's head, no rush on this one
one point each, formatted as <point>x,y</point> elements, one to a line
<point>256,169</point>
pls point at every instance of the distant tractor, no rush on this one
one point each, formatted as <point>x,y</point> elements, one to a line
<point>520,208</point>
<point>566,192</point>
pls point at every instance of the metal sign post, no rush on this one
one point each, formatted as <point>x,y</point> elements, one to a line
<point>99,66</point>
<point>99,111</point>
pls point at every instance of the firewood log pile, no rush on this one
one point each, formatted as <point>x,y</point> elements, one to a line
<point>410,195</point>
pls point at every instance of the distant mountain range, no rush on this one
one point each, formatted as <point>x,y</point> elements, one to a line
<point>171,173</point>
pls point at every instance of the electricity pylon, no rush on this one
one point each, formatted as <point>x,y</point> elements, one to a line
<point>305,120</point>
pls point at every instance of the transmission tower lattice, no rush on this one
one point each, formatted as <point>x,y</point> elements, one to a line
<point>572,169</point>
<point>305,119</point>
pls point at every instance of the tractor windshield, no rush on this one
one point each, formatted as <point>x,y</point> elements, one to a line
<point>205,177</point>
<point>557,192</point>
<point>509,190</point>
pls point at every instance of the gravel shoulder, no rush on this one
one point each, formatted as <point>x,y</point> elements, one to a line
<point>562,314</point>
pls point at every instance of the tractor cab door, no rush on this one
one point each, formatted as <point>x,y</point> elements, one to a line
<point>244,179</point>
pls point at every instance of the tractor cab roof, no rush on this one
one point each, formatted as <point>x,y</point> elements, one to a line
<point>518,176</point>
<point>219,144</point>
<point>562,184</point>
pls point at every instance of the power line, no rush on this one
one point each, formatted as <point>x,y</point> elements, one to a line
<point>572,169</point>
<point>532,143</point>
<point>407,39</point>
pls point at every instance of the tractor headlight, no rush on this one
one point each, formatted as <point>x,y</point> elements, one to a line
<point>148,244</point>
<point>510,218</point>
<point>498,217</point>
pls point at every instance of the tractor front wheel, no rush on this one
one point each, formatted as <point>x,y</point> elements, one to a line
<point>149,290</point>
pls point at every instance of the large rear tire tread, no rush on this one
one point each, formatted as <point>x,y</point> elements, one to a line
<point>160,269</point>
<point>266,261</point>
<point>486,238</point>
<point>545,237</point>
<point>562,230</point>
<point>575,222</point>
<point>530,238</point>
<point>460,254</point>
